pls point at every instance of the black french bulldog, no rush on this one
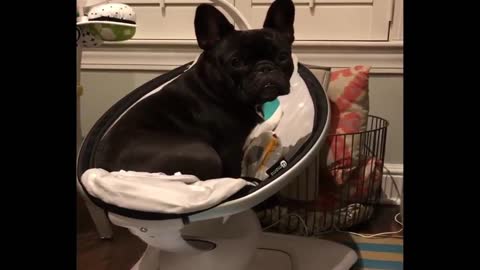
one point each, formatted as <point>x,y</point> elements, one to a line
<point>199,123</point>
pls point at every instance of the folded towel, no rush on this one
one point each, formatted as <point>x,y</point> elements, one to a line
<point>158,192</point>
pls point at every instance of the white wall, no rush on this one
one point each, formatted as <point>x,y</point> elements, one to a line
<point>386,101</point>
<point>103,88</point>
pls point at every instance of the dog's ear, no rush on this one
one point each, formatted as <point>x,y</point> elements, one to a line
<point>280,17</point>
<point>210,26</point>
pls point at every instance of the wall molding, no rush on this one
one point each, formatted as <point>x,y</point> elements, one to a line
<point>163,55</point>
<point>392,184</point>
<point>396,26</point>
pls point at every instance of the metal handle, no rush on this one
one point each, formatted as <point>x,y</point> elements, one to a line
<point>234,13</point>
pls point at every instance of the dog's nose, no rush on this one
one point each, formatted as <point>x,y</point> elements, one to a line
<point>265,67</point>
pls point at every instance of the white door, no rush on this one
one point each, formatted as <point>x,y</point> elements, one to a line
<point>165,19</point>
<point>335,20</point>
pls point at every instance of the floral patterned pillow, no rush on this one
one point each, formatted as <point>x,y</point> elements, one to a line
<point>349,102</point>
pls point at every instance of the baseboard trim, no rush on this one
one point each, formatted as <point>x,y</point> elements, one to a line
<point>392,184</point>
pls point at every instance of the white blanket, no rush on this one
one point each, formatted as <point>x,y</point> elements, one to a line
<point>157,192</point>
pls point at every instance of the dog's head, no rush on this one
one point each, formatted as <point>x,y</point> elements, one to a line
<point>255,64</point>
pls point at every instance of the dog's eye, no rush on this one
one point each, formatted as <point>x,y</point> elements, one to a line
<point>235,62</point>
<point>283,57</point>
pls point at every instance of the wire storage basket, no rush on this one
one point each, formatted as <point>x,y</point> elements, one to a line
<point>338,190</point>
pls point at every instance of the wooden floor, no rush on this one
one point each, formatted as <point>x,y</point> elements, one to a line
<point>121,252</point>
<point>118,253</point>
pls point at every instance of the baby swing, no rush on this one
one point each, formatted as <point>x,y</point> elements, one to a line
<point>191,224</point>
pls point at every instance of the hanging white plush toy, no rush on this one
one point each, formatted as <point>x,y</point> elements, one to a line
<point>112,21</point>
<point>104,22</point>
<point>87,38</point>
